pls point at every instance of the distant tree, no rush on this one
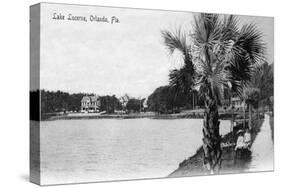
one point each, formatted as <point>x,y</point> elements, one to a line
<point>134,105</point>
<point>54,101</point>
<point>263,80</point>
<point>109,103</point>
<point>157,101</point>
<point>260,88</point>
<point>166,99</point>
<point>251,98</point>
<point>74,102</point>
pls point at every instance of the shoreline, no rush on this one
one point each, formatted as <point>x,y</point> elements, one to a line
<point>186,115</point>
<point>193,165</point>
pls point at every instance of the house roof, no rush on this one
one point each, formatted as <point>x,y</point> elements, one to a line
<point>94,98</point>
<point>89,98</point>
<point>124,98</point>
<point>86,98</point>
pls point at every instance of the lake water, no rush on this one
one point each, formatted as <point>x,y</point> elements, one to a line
<point>75,151</point>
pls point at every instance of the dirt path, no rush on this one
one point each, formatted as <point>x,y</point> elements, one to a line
<point>262,149</point>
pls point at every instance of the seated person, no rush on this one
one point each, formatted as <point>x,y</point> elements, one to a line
<point>247,138</point>
<point>240,144</point>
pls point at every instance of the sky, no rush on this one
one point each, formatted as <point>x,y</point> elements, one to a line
<point>103,58</point>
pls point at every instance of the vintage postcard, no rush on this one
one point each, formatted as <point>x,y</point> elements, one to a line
<point>124,93</point>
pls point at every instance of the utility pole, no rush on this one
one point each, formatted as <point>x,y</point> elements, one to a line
<point>192,99</point>
<point>140,103</point>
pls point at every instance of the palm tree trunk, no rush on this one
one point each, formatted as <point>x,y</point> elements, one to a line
<point>262,105</point>
<point>211,136</point>
<point>258,112</point>
<point>244,115</point>
<point>250,117</point>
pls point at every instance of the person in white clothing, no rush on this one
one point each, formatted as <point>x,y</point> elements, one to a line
<point>247,139</point>
<point>240,142</point>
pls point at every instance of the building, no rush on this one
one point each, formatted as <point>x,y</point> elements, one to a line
<point>145,105</point>
<point>124,100</point>
<point>90,104</point>
<point>235,102</point>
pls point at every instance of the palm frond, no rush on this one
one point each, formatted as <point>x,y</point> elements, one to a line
<point>229,28</point>
<point>229,32</point>
<point>206,30</point>
<point>180,79</point>
<point>175,40</point>
<point>249,45</point>
<point>183,79</point>
<point>246,54</point>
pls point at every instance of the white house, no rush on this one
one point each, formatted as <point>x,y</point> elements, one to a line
<point>90,104</point>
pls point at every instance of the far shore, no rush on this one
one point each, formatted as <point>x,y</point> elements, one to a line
<point>196,114</point>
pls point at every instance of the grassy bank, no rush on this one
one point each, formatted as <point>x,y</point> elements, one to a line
<point>271,122</point>
<point>194,165</point>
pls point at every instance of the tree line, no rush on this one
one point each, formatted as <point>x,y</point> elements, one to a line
<point>59,101</point>
<point>164,99</point>
<point>167,99</point>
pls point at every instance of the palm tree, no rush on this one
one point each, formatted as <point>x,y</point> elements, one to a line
<point>257,89</point>
<point>262,79</point>
<point>250,98</point>
<point>221,56</point>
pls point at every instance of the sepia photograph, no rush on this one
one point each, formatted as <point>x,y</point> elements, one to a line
<point>126,94</point>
